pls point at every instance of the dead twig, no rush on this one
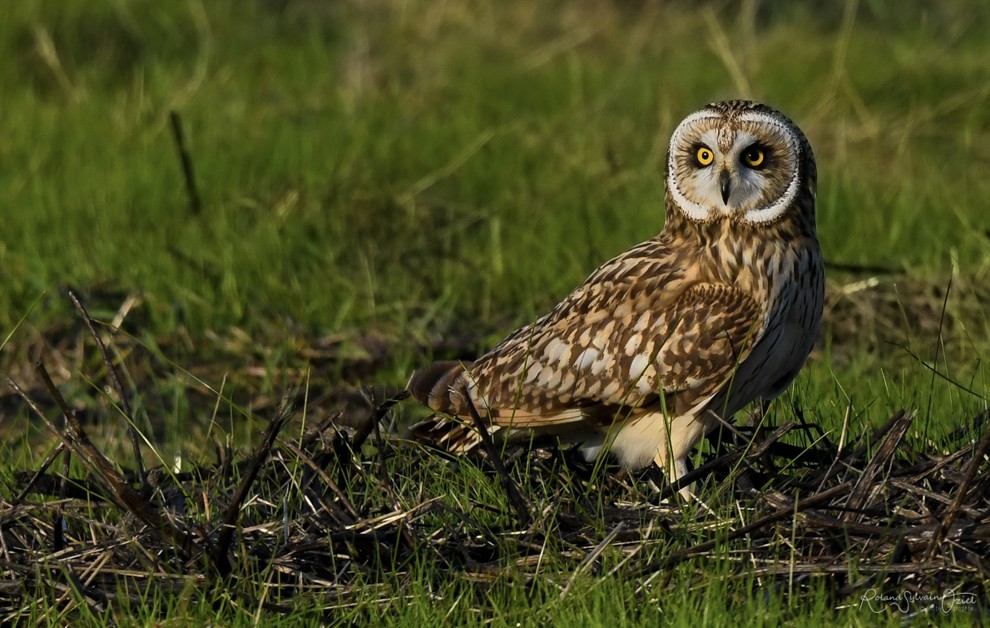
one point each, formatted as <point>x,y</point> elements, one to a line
<point>219,555</point>
<point>759,524</point>
<point>883,455</point>
<point>75,439</point>
<point>592,557</point>
<point>972,467</point>
<point>516,499</point>
<point>195,206</point>
<point>125,403</point>
<point>380,411</point>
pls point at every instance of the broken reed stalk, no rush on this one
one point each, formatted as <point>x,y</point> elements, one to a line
<point>592,557</point>
<point>125,403</point>
<point>371,426</point>
<point>58,525</point>
<point>784,513</point>
<point>37,475</point>
<point>76,440</point>
<point>349,510</point>
<point>877,436</point>
<point>218,557</point>
<point>866,483</point>
<point>887,547</point>
<point>835,468</point>
<point>731,459</point>
<point>516,499</point>
<point>387,483</point>
<point>362,434</point>
<point>195,206</point>
<point>971,468</point>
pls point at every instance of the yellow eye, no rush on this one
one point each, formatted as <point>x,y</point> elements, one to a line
<point>754,157</point>
<point>704,156</point>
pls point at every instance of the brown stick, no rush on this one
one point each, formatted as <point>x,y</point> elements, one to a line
<point>880,458</point>
<point>125,404</point>
<point>187,167</point>
<point>380,411</point>
<point>58,524</point>
<point>516,499</point>
<point>728,460</point>
<point>386,483</point>
<point>233,512</point>
<point>950,516</point>
<point>784,513</point>
<point>76,439</point>
<point>39,473</point>
<point>351,511</point>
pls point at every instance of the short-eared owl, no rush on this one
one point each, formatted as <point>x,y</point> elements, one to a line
<point>719,309</point>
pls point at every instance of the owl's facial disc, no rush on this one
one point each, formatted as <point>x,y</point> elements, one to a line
<point>745,167</point>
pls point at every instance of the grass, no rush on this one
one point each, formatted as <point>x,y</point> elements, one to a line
<point>387,182</point>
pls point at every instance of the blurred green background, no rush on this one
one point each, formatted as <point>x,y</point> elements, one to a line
<point>423,168</point>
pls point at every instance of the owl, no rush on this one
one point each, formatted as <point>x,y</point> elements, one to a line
<point>720,309</point>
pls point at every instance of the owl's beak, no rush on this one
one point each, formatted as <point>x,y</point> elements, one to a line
<point>725,183</point>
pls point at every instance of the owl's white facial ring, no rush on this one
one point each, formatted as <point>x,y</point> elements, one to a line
<point>713,180</point>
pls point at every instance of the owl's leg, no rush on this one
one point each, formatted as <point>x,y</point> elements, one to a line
<point>680,470</point>
<point>673,471</point>
<point>684,432</point>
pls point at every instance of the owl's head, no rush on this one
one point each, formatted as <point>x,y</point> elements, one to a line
<point>738,159</point>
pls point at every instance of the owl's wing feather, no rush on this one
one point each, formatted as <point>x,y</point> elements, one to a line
<point>599,355</point>
<point>640,334</point>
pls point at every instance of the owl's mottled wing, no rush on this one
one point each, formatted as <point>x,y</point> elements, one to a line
<point>638,334</point>
<point>594,357</point>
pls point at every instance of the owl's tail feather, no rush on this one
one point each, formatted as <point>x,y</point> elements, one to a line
<point>449,434</point>
<point>435,388</point>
